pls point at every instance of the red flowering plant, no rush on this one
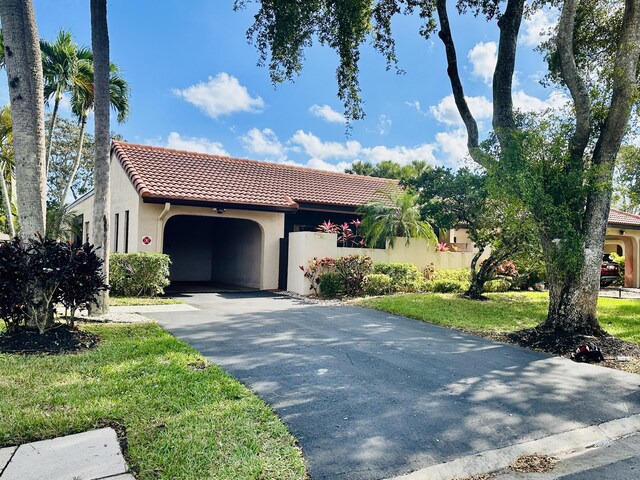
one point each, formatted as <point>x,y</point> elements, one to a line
<point>315,269</point>
<point>348,233</point>
<point>507,269</point>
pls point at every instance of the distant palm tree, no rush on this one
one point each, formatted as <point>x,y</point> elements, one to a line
<point>82,102</point>
<point>7,164</point>
<point>395,215</point>
<point>62,61</point>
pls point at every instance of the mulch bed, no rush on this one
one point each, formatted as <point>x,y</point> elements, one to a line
<point>59,339</point>
<point>565,345</point>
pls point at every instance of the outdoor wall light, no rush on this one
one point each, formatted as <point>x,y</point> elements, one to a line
<point>221,210</point>
<point>621,232</point>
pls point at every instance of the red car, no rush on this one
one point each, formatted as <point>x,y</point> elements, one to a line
<point>609,271</point>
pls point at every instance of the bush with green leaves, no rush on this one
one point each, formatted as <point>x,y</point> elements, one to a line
<point>447,286</point>
<point>405,277</point>
<point>354,269</point>
<point>378,284</point>
<point>620,259</point>
<point>330,285</point>
<point>458,275</point>
<point>139,274</point>
<point>38,274</point>
<point>497,285</point>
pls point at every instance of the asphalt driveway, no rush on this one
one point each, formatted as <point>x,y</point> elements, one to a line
<point>371,395</point>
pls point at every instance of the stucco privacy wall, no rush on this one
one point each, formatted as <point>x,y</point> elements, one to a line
<point>304,246</point>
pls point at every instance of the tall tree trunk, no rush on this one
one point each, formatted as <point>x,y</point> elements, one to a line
<point>101,210</point>
<point>54,116</point>
<point>72,176</point>
<point>7,202</point>
<point>26,93</point>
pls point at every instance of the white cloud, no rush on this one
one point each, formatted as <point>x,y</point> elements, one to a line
<point>415,104</point>
<point>538,27</point>
<point>350,151</point>
<point>384,124</point>
<point>316,148</point>
<point>483,59</point>
<point>263,142</point>
<point>194,144</point>
<point>528,103</point>
<point>332,167</point>
<point>327,113</point>
<point>446,111</point>
<point>221,95</point>
<point>453,146</point>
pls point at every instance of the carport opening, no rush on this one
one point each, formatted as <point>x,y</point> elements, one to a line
<point>224,252</point>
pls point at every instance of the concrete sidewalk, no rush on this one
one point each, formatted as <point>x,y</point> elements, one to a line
<point>92,455</point>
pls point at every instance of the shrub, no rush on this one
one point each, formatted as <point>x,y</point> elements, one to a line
<point>620,259</point>
<point>378,284</point>
<point>315,269</point>
<point>354,269</point>
<point>448,286</point>
<point>497,285</point>
<point>405,277</point>
<point>330,285</point>
<point>38,274</point>
<point>460,275</point>
<point>139,274</point>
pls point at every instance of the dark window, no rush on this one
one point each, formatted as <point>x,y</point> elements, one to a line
<point>126,231</point>
<point>116,232</point>
<point>86,232</point>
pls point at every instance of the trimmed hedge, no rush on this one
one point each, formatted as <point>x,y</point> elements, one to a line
<point>447,286</point>
<point>460,275</point>
<point>405,277</point>
<point>378,284</point>
<point>138,274</point>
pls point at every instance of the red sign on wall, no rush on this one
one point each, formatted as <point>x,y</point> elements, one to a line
<point>146,240</point>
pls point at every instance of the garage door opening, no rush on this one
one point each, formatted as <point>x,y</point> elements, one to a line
<point>223,252</point>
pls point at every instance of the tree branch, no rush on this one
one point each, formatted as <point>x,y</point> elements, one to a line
<point>625,87</point>
<point>456,84</point>
<point>575,83</point>
<point>503,119</point>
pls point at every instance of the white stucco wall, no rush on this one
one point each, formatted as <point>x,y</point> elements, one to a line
<point>152,225</point>
<point>304,246</point>
<point>123,198</point>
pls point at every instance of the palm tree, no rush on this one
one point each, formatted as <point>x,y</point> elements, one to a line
<point>26,93</point>
<point>6,164</point>
<point>396,214</point>
<point>100,46</point>
<point>82,102</point>
<point>61,63</point>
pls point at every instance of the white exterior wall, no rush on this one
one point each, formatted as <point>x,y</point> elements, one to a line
<point>151,224</point>
<point>304,246</point>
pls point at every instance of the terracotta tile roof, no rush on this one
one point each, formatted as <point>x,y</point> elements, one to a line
<point>618,217</point>
<point>165,174</point>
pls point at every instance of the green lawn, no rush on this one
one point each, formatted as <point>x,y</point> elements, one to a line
<point>183,419</point>
<point>137,301</point>
<point>503,312</point>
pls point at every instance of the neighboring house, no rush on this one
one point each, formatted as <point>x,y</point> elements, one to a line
<point>623,238</point>
<point>220,219</point>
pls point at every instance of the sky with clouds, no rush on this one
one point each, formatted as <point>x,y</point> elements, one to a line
<point>196,86</point>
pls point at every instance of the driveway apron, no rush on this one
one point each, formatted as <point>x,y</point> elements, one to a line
<point>371,395</point>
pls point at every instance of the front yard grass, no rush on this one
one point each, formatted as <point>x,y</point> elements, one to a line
<point>137,301</point>
<point>184,419</point>
<point>503,312</point>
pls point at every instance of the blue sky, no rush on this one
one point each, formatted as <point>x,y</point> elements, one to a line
<point>195,85</point>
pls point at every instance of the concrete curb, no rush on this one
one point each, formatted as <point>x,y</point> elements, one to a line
<point>494,460</point>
